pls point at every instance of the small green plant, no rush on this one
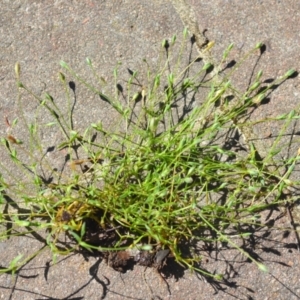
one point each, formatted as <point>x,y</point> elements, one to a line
<point>163,176</point>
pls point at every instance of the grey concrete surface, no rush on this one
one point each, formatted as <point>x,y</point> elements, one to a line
<point>39,34</point>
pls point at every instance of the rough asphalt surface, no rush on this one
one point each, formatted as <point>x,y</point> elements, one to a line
<point>39,34</point>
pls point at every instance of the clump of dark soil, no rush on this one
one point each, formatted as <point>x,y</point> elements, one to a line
<point>123,260</point>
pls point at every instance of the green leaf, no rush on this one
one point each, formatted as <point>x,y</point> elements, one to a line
<point>82,230</point>
<point>76,236</point>
<point>281,117</point>
<point>245,234</point>
<point>63,145</point>
<point>51,124</point>
<point>21,223</point>
<point>274,152</point>
<point>14,262</point>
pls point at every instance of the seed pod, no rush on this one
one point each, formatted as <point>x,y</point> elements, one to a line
<point>17,70</point>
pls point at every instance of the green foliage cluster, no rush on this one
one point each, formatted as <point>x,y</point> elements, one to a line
<point>157,179</point>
